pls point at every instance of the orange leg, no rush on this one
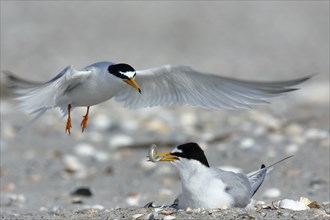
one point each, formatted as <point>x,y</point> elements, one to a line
<point>68,122</point>
<point>83,123</point>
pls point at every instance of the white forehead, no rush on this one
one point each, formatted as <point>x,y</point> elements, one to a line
<point>176,150</point>
<point>129,74</point>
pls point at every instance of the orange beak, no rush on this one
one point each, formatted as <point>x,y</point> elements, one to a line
<point>132,83</point>
<point>166,157</point>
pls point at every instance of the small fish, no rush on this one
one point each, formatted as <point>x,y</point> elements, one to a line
<point>152,154</point>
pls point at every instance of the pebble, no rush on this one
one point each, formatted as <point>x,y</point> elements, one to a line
<point>291,149</point>
<point>298,140</point>
<point>94,136</point>
<point>133,125</point>
<point>265,119</point>
<point>84,149</point>
<point>169,217</point>
<point>135,216</point>
<point>189,210</point>
<point>157,125</point>
<point>82,191</point>
<point>247,144</point>
<point>90,209</point>
<point>73,165</point>
<point>259,131</point>
<point>101,122</point>
<point>56,210</point>
<point>77,200</point>
<point>316,134</point>
<point>87,150</point>
<point>8,131</point>
<point>8,199</point>
<point>188,119</point>
<point>166,212</point>
<point>276,138</point>
<point>43,209</point>
<point>294,130</point>
<point>327,211</point>
<point>133,200</point>
<point>272,193</point>
<point>146,165</point>
<point>120,140</point>
<point>8,187</point>
<point>100,156</point>
<point>292,205</point>
<point>165,193</point>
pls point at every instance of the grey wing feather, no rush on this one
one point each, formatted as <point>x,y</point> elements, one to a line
<point>38,97</point>
<point>182,85</point>
<point>257,177</point>
<point>237,185</point>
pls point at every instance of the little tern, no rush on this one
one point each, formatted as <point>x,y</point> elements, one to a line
<point>210,187</point>
<point>165,85</point>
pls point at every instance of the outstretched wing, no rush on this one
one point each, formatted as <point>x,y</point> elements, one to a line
<point>182,85</point>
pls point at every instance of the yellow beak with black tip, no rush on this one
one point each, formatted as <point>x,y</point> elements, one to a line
<point>132,83</point>
<point>167,157</point>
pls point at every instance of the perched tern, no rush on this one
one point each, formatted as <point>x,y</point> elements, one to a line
<point>210,187</point>
<point>160,86</point>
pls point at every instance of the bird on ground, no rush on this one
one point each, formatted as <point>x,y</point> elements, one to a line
<point>165,85</point>
<point>210,187</point>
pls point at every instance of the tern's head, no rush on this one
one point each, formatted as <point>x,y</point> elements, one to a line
<point>125,73</point>
<point>185,153</point>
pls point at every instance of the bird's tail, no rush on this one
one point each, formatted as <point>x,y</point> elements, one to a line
<point>257,177</point>
<point>34,98</point>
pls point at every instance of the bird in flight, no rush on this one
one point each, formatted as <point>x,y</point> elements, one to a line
<point>210,187</point>
<point>165,85</point>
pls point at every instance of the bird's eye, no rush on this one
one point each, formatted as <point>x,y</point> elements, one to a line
<point>134,75</point>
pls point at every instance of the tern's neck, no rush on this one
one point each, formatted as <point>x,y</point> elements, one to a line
<point>190,169</point>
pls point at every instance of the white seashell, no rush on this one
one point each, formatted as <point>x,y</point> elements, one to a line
<point>133,200</point>
<point>101,156</point>
<point>146,165</point>
<point>136,216</point>
<point>72,164</point>
<point>84,149</point>
<point>272,193</point>
<point>247,143</point>
<point>292,205</point>
<point>95,136</point>
<point>316,134</point>
<point>119,140</point>
<point>305,200</point>
<point>189,210</point>
<point>188,119</point>
<point>265,119</point>
<point>101,122</point>
<point>169,217</point>
<point>291,149</point>
<point>294,130</point>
